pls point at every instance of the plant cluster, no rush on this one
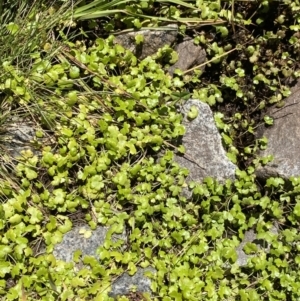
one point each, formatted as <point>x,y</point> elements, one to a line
<point>107,126</point>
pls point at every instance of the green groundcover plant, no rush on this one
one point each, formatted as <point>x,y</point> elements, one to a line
<point>107,126</point>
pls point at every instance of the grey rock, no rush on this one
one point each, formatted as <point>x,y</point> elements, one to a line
<point>74,240</point>
<point>17,137</point>
<point>251,236</point>
<point>205,155</point>
<point>153,40</point>
<point>189,55</point>
<point>139,282</point>
<point>283,140</point>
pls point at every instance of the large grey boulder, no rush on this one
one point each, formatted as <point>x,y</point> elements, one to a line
<point>153,40</point>
<point>84,239</point>
<point>138,282</point>
<point>88,241</point>
<point>250,236</point>
<point>17,136</point>
<point>189,55</point>
<point>283,140</point>
<point>205,155</point>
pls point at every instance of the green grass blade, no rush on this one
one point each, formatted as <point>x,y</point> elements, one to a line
<point>88,6</point>
<point>95,6</point>
<point>162,28</point>
<point>87,16</point>
<point>178,2</point>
